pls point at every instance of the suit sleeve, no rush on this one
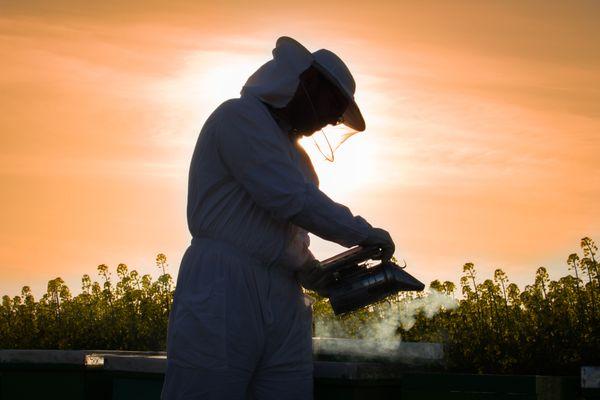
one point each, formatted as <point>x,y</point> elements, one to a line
<point>257,155</point>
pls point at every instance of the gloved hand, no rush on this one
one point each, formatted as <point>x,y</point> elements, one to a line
<point>381,238</point>
<point>312,277</point>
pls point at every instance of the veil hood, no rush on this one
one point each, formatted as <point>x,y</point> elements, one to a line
<point>276,81</point>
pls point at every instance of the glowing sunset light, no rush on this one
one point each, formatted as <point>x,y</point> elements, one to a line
<point>481,142</point>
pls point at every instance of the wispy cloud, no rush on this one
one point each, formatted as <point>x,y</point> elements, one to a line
<point>481,141</point>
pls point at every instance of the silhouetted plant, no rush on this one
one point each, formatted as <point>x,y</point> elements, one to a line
<point>551,326</point>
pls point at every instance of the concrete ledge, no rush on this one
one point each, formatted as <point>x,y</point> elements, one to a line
<point>96,357</point>
<point>332,349</point>
<point>70,357</point>
<point>153,364</point>
<point>408,353</point>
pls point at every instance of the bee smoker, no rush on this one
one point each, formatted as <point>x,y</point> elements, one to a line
<point>355,284</point>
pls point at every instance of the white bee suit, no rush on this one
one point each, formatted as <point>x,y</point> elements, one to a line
<point>239,327</point>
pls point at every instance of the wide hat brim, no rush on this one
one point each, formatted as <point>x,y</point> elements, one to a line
<point>352,116</point>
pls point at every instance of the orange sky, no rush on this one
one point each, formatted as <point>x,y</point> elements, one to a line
<point>482,138</point>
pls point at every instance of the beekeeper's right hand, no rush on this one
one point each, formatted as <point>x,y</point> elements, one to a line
<point>382,239</point>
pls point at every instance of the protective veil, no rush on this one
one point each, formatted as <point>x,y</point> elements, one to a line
<point>239,327</point>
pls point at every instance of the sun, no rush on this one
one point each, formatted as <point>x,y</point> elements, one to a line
<point>353,167</point>
<point>207,78</point>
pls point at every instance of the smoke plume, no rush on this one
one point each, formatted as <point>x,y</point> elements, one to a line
<point>379,330</point>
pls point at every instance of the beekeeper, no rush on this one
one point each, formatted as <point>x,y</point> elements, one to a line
<point>240,327</point>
